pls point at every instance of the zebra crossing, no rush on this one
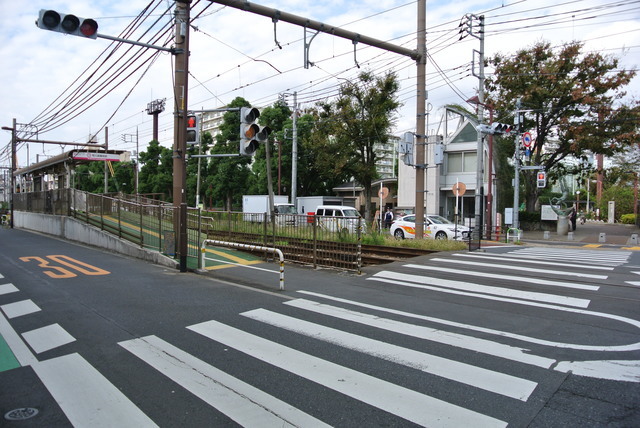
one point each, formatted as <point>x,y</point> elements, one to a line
<point>442,350</point>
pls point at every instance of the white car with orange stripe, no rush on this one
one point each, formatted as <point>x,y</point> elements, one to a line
<point>436,227</point>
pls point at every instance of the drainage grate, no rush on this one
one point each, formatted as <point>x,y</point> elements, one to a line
<point>21,414</point>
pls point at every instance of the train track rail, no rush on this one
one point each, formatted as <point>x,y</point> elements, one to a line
<point>325,253</point>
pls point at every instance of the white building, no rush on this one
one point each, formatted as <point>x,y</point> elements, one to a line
<point>459,165</point>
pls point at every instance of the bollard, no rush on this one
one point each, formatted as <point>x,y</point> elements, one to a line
<point>570,236</point>
<point>546,234</point>
<point>603,237</point>
<point>634,239</point>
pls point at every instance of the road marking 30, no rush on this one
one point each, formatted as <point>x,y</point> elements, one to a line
<point>59,272</point>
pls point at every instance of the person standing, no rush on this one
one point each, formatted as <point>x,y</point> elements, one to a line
<point>388,218</point>
<point>572,218</point>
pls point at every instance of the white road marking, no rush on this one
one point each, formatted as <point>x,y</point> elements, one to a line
<point>522,268</point>
<point>46,338</point>
<point>536,281</point>
<point>603,348</point>
<point>20,350</point>
<point>7,288</point>
<point>457,340</point>
<point>86,397</point>
<point>245,404</point>
<point>405,403</point>
<point>18,309</point>
<point>478,377</point>
<point>512,258</point>
<point>619,370</point>
<point>437,284</point>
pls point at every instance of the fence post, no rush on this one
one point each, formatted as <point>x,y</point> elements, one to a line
<point>119,206</point>
<point>315,241</point>
<point>139,205</point>
<point>359,247</point>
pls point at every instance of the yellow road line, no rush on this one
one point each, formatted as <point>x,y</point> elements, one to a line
<point>592,245</point>
<point>631,248</point>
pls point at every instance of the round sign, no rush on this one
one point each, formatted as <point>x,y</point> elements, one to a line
<point>526,139</point>
<point>459,189</point>
<point>383,193</point>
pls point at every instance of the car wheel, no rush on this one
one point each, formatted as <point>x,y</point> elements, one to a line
<point>441,235</point>
<point>398,234</point>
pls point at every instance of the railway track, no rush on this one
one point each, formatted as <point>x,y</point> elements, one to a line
<point>325,253</point>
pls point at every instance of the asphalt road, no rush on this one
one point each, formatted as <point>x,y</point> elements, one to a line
<point>514,335</point>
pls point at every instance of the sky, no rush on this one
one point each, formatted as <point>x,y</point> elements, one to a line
<point>235,53</point>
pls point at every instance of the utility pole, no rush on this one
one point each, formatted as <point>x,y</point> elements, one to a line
<point>180,99</point>
<point>516,179</point>
<point>421,99</point>
<point>106,168</point>
<point>294,152</point>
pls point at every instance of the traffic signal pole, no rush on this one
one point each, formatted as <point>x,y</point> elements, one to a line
<point>180,100</point>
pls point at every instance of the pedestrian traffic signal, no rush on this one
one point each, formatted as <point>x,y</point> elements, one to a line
<point>542,179</point>
<point>193,129</point>
<point>251,134</point>
<point>67,24</point>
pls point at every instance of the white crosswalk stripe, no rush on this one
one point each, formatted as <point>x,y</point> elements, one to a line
<point>405,403</point>
<point>584,257</point>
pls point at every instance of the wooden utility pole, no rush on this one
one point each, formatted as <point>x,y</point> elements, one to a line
<point>180,100</point>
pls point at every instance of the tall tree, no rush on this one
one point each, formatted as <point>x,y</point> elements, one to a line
<point>354,125</point>
<point>156,172</point>
<point>573,102</point>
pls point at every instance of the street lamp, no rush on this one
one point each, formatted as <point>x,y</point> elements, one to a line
<point>489,207</point>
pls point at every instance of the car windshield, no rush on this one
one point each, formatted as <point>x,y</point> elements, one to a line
<point>286,209</point>
<point>439,220</point>
<point>351,213</point>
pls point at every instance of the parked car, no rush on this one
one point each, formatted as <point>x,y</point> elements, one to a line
<point>436,227</point>
<point>338,218</point>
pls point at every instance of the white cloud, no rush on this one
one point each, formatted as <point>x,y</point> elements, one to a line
<point>39,64</point>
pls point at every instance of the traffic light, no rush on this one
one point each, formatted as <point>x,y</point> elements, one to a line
<point>251,135</point>
<point>542,179</point>
<point>193,129</point>
<point>67,24</point>
<point>495,128</point>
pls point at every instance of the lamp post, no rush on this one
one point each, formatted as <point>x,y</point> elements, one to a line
<point>489,204</point>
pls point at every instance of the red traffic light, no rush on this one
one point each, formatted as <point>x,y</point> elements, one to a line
<point>89,28</point>
<point>67,24</point>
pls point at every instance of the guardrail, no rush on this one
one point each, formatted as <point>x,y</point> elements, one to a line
<point>246,247</point>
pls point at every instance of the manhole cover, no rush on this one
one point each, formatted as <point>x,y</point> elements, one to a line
<point>21,414</point>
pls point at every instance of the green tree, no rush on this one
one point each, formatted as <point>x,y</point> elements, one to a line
<point>156,172</point>
<point>206,141</point>
<point>353,126</point>
<point>276,117</point>
<point>573,103</point>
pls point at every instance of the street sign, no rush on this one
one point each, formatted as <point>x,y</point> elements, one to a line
<point>384,192</point>
<point>459,188</point>
<point>526,139</point>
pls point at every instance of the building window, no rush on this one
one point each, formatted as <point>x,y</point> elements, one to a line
<point>461,162</point>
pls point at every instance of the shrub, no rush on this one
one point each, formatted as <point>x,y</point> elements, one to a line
<point>628,219</point>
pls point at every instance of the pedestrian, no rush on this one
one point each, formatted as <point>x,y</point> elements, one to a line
<point>572,218</point>
<point>388,218</point>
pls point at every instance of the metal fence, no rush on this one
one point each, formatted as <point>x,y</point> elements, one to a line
<point>318,241</point>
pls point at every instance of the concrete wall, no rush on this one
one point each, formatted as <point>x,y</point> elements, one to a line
<point>73,230</point>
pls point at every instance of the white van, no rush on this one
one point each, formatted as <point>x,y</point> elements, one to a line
<point>338,218</point>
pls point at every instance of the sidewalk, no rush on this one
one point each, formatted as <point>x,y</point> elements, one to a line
<point>590,233</point>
